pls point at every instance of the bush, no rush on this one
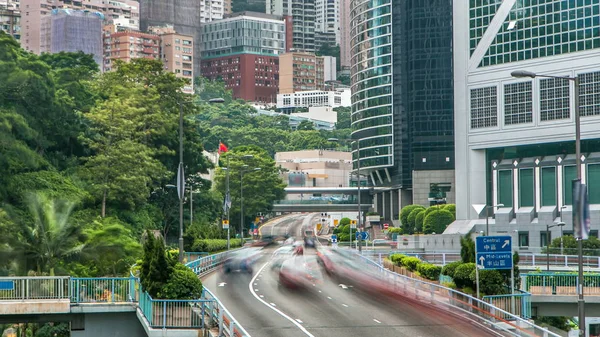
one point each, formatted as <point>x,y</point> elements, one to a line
<point>429,271</point>
<point>344,221</point>
<point>397,259</point>
<point>419,222</point>
<point>450,268</point>
<point>437,221</point>
<point>451,208</point>
<point>393,230</point>
<point>214,245</point>
<point>431,209</point>
<point>341,229</point>
<point>404,217</point>
<point>491,282</point>
<point>467,249</point>
<point>462,275</point>
<point>411,263</point>
<point>183,284</point>
<point>412,218</point>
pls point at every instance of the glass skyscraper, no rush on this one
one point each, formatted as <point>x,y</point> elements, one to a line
<point>402,103</point>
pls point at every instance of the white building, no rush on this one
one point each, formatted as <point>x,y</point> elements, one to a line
<point>303,21</point>
<point>329,68</point>
<point>328,18</point>
<point>315,98</point>
<point>515,136</point>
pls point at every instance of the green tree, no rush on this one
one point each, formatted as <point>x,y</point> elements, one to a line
<point>305,125</point>
<point>419,221</point>
<point>343,118</point>
<point>260,188</point>
<point>412,219</point>
<point>404,213</point>
<point>467,249</point>
<point>437,221</point>
<point>156,268</point>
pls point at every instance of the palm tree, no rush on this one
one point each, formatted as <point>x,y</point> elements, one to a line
<point>48,237</point>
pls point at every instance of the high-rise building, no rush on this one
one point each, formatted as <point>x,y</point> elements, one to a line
<point>301,72</point>
<point>515,137</point>
<point>124,13</point>
<point>227,7</point>
<point>329,68</point>
<point>303,17</point>
<point>177,54</point>
<point>186,17</point>
<point>345,43</point>
<point>243,50</point>
<point>10,17</point>
<point>328,39</point>
<point>72,31</point>
<point>402,105</point>
<point>126,45</point>
<point>328,18</point>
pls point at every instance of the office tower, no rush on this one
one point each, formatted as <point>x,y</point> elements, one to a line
<point>402,109</point>
<point>303,21</point>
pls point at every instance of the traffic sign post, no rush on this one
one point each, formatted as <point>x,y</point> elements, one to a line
<point>361,235</point>
<point>495,252</point>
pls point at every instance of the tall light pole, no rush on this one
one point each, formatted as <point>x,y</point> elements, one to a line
<point>358,198</point>
<point>561,230</point>
<point>487,217</point>
<point>575,80</point>
<point>559,224</point>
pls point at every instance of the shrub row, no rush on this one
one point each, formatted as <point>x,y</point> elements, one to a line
<point>491,282</point>
<point>214,245</point>
<point>426,270</point>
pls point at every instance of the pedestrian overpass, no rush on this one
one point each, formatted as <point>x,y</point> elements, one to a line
<point>325,199</point>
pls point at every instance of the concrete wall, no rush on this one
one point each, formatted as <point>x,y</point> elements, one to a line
<point>430,242</point>
<point>422,181</point>
<point>117,324</point>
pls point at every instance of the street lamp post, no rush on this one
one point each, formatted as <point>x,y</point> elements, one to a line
<point>561,230</point>
<point>575,80</point>
<point>242,172</point>
<point>559,224</point>
<point>487,216</point>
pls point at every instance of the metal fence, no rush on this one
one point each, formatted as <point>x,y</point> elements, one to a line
<point>522,300</point>
<point>165,314</point>
<point>462,304</point>
<point>34,288</point>
<point>559,283</point>
<point>103,290</point>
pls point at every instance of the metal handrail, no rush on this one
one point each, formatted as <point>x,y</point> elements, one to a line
<point>475,308</point>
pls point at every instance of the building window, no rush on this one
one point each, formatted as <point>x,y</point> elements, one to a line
<point>569,173</point>
<point>524,239</point>
<point>589,94</point>
<point>545,239</point>
<point>484,111</point>
<point>517,103</point>
<point>526,187</point>
<point>593,183</point>
<point>505,188</point>
<point>548,186</point>
<point>554,99</point>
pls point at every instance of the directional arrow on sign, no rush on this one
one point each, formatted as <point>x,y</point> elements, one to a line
<point>222,284</point>
<point>506,242</point>
<point>481,259</point>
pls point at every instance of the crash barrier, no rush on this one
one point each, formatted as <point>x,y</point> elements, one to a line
<point>468,307</point>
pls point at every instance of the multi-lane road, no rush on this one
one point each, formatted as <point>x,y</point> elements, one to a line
<point>265,308</point>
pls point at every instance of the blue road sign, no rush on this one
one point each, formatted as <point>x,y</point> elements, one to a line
<point>334,238</point>
<point>501,260</point>
<point>363,235</point>
<point>494,252</point>
<point>490,244</point>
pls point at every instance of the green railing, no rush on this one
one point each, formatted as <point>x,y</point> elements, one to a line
<point>559,283</point>
<point>522,303</point>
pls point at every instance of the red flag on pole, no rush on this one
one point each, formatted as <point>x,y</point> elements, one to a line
<point>222,148</point>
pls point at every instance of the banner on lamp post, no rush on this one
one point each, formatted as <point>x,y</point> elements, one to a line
<point>581,211</point>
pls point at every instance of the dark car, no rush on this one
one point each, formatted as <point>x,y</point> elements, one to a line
<point>241,260</point>
<point>309,238</point>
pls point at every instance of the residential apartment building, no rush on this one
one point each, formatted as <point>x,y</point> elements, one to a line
<point>402,98</point>
<point>186,17</point>
<point>305,99</point>
<point>329,68</point>
<point>126,45</point>
<point>322,38</point>
<point>177,54</point>
<point>72,31</point>
<point>227,7</point>
<point>10,17</point>
<point>328,18</point>
<point>124,13</point>
<point>243,50</point>
<point>515,136</point>
<point>345,43</point>
<point>303,17</point>
<point>301,72</point>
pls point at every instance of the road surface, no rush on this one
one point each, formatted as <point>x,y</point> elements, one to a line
<point>266,309</point>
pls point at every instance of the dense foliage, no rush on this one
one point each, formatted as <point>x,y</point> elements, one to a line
<point>414,264</point>
<point>434,219</point>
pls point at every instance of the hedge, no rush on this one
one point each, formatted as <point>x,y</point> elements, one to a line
<point>419,222</point>
<point>429,271</point>
<point>214,245</point>
<point>397,259</point>
<point>411,263</point>
<point>405,212</point>
<point>491,282</point>
<point>412,219</point>
<point>462,275</point>
<point>437,221</point>
<point>450,268</point>
<point>393,230</point>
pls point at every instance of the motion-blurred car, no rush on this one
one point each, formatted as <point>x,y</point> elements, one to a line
<point>309,238</point>
<point>281,254</point>
<point>300,272</point>
<point>241,260</point>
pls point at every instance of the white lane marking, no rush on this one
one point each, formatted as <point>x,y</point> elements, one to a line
<point>320,291</point>
<point>255,289</point>
<point>281,313</point>
<point>299,321</point>
<point>376,321</point>
<point>273,304</point>
<point>343,286</point>
<point>346,305</point>
<point>329,297</point>
<point>222,284</point>
<point>261,296</point>
<point>255,283</point>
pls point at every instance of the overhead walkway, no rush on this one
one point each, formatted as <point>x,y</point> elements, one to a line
<point>321,205</point>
